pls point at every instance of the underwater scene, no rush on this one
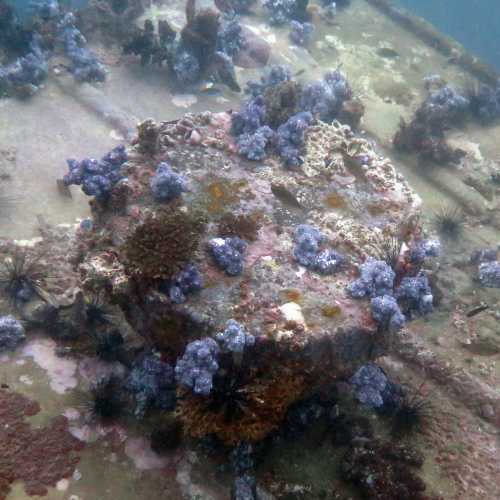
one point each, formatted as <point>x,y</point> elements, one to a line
<point>249,250</point>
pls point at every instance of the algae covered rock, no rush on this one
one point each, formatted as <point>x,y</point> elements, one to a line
<point>269,255</point>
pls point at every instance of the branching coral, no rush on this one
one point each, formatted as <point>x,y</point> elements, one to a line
<point>308,241</point>
<point>198,366</point>
<point>425,134</point>
<point>280,111</point>
<point>373,388</point>
<point>229,37</point>
<point>85,65</point>
<point>203,49</point>
<point>253,145</point>
<point>290,138</point>
<point>489,274</point>
<point>376,279</point>
<point>234,338</point>
<point>97,177</point>
<point>162,244</point>
<point>45,9</point>
<point>234,6</point>
<point>387,314</point>
<point>415,295</point>
<point>250,118</point>
<point>301,33</point>
<point>276,75</point>
<point>151,381</point>
<point>186,282</point>
<point>145,43</point>
<point>423,249</point>
<point>14,38</point>
<point>199,35</point>
<point>24,76</point>
<point>228,254</point>
<point>324,98</point>
<point>282,11</point>
<point>484,101</point>
<point>11,333</point>
<point>166,184</point>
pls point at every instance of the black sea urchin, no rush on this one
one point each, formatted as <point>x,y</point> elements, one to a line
<point>22,277</point>
<point>412,415</point>
<point>107,402</point>
<point>229,396</point>
<point>449,222</point>
<point>167,437</point>
<point>109,345</point>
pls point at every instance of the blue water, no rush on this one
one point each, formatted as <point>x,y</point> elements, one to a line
<point>474,23</point>
<point>22,6</point>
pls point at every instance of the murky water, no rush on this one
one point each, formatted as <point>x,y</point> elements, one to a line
<point>451,355</point>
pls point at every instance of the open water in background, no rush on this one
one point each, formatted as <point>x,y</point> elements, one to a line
<point>474,23</point>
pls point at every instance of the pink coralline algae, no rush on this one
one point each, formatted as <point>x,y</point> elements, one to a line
<point>37,457</point>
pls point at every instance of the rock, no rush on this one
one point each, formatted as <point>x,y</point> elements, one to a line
<point>255,53</point>
<point>487,411</point>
